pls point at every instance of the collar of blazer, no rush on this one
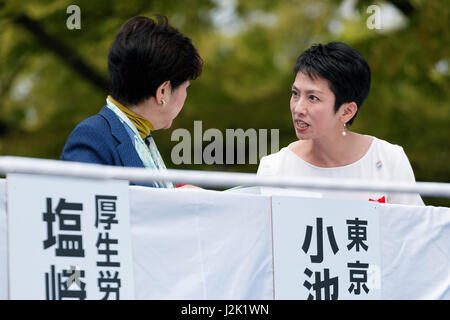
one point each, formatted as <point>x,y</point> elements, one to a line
<point>126,149</point>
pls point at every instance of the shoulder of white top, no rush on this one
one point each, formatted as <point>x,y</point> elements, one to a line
<point>387,145</point>
<point>275,155</point>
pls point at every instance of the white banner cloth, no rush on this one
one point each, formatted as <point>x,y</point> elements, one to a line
<point>190,244</point>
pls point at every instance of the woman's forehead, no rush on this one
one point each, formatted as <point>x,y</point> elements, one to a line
<point>305,82</point>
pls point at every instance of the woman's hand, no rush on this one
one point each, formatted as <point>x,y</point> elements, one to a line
<point>189,186</point>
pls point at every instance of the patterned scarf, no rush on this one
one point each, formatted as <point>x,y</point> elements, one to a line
<point>147,151</point>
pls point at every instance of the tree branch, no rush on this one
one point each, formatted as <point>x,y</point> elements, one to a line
<point>404,6</point>
<point>66,54</point>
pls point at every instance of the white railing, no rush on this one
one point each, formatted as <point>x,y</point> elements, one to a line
<point>11,164</point>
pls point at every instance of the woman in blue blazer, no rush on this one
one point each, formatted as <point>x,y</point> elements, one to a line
<point>150,66</point>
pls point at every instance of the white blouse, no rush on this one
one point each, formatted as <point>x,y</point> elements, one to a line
<point>383,162</point>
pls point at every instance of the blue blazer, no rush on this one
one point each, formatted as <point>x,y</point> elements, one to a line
<point>102,139</point>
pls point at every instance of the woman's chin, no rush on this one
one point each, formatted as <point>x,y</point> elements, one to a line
<point>301,136</point>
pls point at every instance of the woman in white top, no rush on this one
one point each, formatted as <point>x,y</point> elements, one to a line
<point>331,83</point>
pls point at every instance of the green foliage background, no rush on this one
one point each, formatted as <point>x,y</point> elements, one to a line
<point>247,72</point>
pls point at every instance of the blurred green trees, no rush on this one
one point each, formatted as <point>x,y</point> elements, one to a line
<point>51,77</point>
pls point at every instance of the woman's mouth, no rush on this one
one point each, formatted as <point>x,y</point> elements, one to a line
<point>301,125</point>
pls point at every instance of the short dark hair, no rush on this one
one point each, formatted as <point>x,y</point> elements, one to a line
<point>145,53</point>
<point>347,72</point>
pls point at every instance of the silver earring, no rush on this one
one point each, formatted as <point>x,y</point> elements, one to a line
<point>344,133</point>
<point>163,101</point>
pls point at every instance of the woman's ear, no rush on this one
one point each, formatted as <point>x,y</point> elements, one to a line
<point>348,110</point>
<point>163,92</point>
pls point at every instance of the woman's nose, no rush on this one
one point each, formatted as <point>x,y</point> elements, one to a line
<point>300,106</point>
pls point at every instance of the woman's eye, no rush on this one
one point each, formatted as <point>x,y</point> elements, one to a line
<point>313,98</point>
<point>294,93</point>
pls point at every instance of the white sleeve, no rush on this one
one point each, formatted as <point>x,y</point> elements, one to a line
<point>403,172</point>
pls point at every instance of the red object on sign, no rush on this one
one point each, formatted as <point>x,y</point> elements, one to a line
<point>381,200</point>
<point>179,185</point>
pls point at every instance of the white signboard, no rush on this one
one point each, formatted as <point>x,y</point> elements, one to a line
<point>325,249</point>
<point>68,238</point>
